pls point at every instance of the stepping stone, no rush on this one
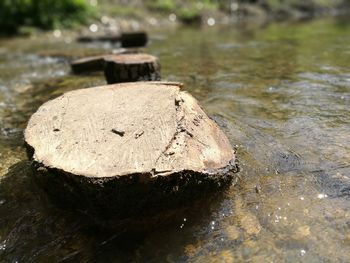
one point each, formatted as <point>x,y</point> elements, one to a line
<point>96,62</point>
<point>131,67</point>
<point>130,39</point>
<point>126,67</point>
<point>128,149</point>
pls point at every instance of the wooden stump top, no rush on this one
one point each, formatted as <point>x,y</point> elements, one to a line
<point>89,59</point>
<point>144,128</point>
<point>127,59</point>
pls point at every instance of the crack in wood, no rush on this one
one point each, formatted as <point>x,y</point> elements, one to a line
<point>120,133</point>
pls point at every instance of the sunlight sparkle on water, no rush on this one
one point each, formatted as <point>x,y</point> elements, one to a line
<point>3,245</point>
<point>211,21</point>
<point>93,28</point>
<point>172,17</point>
<point>57,33</point>
<point>321,196</point>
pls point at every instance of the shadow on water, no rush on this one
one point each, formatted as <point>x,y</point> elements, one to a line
<point>35,229</point>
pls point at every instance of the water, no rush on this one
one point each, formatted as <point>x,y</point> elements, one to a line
<point>282,95</point>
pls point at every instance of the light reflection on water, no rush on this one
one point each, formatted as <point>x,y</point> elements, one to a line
<point>281,94</point>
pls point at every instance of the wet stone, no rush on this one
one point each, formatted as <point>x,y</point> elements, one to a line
<point>98,163</point>
<point>250,224</point>
<point>301,233</point>
<point>225,256</point>
<point>232,232</point>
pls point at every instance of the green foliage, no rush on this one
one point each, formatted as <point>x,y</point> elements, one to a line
<point>161,5</point>
<point>188,6</point>
<point>44,14</point>
<point>280,4</point>
<point>189,15</point>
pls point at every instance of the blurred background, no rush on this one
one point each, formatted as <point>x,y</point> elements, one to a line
<point>16,15</point>
<point>274,74</point>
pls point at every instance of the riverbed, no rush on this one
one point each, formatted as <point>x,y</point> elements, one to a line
<point>281,93</point>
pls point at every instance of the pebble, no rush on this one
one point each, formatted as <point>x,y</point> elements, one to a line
<point>232,232</point>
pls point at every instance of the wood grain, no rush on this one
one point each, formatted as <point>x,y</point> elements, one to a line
<point>144,128</point>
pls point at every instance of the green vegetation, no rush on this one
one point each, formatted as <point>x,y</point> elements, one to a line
<point>189,15</point>
<point>161,5</point>
<point>306,4</point>
<point>192,11</point>
<point>45,14</point>
<point>48,14</point>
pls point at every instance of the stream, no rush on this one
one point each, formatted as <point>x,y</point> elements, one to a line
<point>281,93</point>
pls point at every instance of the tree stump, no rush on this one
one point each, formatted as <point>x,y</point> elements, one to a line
<point>95,63</point>
<point>134,39</point>
<point>128,149</point>
<point>131,68</point>
<point>128,39</point>
<point>128,66</point>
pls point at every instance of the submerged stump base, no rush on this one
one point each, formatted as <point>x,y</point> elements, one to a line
<point>128,149</point>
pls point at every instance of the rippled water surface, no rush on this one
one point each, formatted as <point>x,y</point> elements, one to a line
<point>282,95</point>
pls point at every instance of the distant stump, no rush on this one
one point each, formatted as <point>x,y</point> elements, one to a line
<point>134,39</point>
<point>128,39</point>
<point>128,149</point>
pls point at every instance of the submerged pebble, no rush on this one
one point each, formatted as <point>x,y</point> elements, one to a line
<point>250,224</point>
<point>232,232</point>
<point>302,232</point>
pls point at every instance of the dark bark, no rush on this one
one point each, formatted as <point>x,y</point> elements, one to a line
<point>131,68</point>
<point>131,39</point>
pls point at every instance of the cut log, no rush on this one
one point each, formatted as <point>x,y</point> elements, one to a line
<point>129,39</point>
<point>99,38</point>
<point>88,65</point>
<point>128,66</point>
<point>128,148</point>
<point>131,68</point>
<point>95,63</point>
<point>136,39</point>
